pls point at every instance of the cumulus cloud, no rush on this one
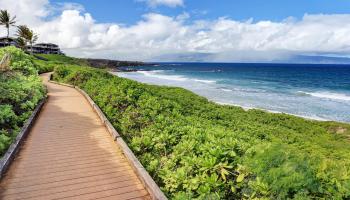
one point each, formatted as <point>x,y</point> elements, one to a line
<point>27,11</point>
<point>170,3</point>
<point>157,36</point>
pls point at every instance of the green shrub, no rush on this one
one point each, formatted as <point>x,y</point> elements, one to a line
<point>21,89</point>
<point>44,66</point>
<point>62,59</point>
<point>20,61</point>
<point>197,149</point>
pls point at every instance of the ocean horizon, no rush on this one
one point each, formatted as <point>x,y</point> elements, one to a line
<point>314,91</point>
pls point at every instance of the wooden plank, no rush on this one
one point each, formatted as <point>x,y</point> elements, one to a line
<point>47,171</point>
<point>66,175</point>
<point>68,190</point>
<point>102,116</point>
<point>71,183</point>
<point>145,178</point>
<point>69,154</point>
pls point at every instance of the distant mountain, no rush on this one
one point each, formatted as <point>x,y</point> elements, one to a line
<point>319,59</point>
<point>184,57</point>
<point>209,57</point>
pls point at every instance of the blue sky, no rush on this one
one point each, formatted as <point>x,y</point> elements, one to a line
<point>131,11</point>
<point>187,30</point>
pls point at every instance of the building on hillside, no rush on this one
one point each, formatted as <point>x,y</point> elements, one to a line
<point>40,48</point>
<point>4,43</point>
<point>46,48</point>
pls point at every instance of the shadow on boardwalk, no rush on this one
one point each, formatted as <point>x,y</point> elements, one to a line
<point>69,154</point>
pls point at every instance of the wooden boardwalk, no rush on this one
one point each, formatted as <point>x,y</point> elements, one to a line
<point>70,155</point>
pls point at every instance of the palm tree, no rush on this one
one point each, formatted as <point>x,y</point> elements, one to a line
<point>31,38</point>
<point>21,43</point>
<point>7,21</point>
<point>27,35</point>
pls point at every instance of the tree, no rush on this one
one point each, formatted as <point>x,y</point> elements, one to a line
<point>7,21</point>
<point>27,35</point>
<point>21,43</point>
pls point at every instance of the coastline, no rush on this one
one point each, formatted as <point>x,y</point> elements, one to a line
<point>276,112</point>
<point>236,105</point>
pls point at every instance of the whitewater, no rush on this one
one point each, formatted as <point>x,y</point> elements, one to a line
<point>319,92</point>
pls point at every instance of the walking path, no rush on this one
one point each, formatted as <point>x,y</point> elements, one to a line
<point>69,154</point>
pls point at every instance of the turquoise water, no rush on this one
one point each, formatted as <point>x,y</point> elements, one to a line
<point>314,91</point>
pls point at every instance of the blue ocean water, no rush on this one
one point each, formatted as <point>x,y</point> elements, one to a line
<point>313,91</point>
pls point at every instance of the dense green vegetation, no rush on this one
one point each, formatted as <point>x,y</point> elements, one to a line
<point>96,63</point>
<point>44,66</point>
<point>197,149</point>
<point>21,90</point>
<point>62,59</point>
<point>47,62</point>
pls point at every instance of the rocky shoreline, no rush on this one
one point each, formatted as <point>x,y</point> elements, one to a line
<point>116,65</point>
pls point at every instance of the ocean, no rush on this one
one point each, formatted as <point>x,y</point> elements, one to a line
<point>314,91</point>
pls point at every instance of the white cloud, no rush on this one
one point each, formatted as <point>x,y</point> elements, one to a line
<point>27,11</point>
<point>170,3</point>
<point>157,35</point>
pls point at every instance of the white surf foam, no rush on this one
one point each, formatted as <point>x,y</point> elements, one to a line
<point>185,82</point>
<point>157,74</point>
<point>232,104</point>
<point>226,90</point>
<point>246,108</point>
<point>161,75</point>
<point>241,90</point>
<point>327,95</point>
<point>204,81</point>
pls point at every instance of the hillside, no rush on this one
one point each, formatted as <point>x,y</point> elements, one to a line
<point>96,63</point>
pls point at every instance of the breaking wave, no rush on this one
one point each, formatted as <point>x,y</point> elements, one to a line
<point>326,95</point>
<point>157,74</point>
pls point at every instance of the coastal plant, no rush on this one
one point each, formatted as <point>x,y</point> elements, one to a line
<point>20,61</point>
<point>21,89</point>
<point>196,149</point>
<point>43,66</point>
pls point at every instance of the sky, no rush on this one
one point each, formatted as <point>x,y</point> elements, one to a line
<point>186,30</point>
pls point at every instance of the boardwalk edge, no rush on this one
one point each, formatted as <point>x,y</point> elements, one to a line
<point>11,152</point>
<point>151,186</point>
